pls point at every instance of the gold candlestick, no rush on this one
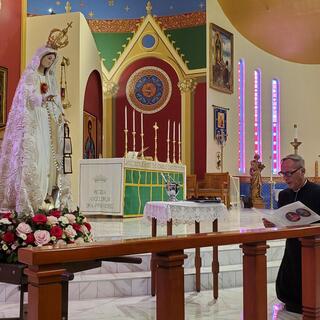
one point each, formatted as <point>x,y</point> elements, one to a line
<point>155,127</point>
<point>295,143</point>
<point>134,141</point>
<point>125,142</point>
<point>142,145</point>
<point>168,150</point>
<point>174,151</point>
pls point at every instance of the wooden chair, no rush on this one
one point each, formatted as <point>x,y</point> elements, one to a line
<point>191,186</point>
<point>215,185</point>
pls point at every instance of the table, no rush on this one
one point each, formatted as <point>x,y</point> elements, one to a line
<point>164,212</point>
<point>122,186</point>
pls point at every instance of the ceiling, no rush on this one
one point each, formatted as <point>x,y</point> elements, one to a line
<point>117,9</point>
<point>289,29</point>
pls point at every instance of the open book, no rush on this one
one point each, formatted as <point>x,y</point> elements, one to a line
<point>294,214</point>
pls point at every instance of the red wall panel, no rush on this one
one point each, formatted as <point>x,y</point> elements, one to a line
<point>200,130</point>
<point>10,40</point>
<point>93,104</point>
<point>172,111</point>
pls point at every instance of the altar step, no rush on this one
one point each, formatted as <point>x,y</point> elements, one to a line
<point>122,280</point>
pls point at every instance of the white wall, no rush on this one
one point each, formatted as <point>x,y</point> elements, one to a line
<point>84,58</point>
<point>300,102</point>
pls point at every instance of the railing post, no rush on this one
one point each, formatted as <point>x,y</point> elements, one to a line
<point>310,259</point>
<point>44,293</point>
<point>255,281</point>
<point>170,285</point>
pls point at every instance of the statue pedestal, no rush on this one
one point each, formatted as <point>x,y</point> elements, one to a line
<point>258,203</point>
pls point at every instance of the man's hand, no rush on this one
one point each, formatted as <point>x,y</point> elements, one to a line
<point>267,223</point>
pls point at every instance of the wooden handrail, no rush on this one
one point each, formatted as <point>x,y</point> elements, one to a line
<point>46,265</point>
<point>50,255</point>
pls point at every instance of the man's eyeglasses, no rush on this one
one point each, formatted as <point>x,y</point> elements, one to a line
<point>288,173</point>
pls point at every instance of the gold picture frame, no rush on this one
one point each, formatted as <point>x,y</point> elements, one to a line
<point>3,95</point>
<point>221,59</point>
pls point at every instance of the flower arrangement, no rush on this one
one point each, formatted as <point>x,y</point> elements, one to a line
<point>44,228</point>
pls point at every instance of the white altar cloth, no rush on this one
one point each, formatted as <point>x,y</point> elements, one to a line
<point>183,211</point>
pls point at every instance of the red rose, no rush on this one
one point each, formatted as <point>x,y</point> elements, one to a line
<point>88,225</point>
<point>30,239</point>
<point>8,237</point>
<point>39,219</point>
<point>43,88</point>
<point>56,213</point>
<point>56,231</point>
<point>7,215</point>
<point>76,227</point>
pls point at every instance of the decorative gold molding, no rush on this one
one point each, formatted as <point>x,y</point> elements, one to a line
<point>130,25</point>
<point>187,85</point>
<point>23,34</point>
<point>110,88</point>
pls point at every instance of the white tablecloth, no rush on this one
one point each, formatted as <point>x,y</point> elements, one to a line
<point>183,211</point>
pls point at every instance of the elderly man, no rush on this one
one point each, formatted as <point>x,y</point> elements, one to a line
<point>288,283</point>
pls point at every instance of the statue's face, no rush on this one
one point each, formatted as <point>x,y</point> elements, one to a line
<point>292,174</point>
<point>48,60</point>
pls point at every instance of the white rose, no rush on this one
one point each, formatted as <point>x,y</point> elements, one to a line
<point>79,241</point>
<point>63,220</point>
<point>23,236</point>
<point>5,221</point>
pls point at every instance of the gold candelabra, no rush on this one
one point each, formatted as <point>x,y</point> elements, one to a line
<point>155,127</point>
<point>179,145</point>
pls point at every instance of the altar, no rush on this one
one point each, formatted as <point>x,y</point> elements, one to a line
<point>121,186</point>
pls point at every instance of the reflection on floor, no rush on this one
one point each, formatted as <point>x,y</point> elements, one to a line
<point>200,306</point>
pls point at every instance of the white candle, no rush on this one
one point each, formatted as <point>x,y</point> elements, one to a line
<point>141,118</point>
<point>179,137</point>
<point>174,131</point>
<point>125,118</point>
<point>168,134</point>
<point>295,127</point>
<point>134,121</point>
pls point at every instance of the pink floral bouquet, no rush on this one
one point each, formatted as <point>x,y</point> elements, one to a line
<point>44,228</point>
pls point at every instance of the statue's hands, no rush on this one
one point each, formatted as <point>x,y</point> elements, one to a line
<point>267,223</point>
<point>50,97</point>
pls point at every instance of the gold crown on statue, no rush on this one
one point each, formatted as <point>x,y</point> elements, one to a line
<point>58,38</point>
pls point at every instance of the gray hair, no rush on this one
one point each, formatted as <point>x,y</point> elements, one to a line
<point>296,158</point>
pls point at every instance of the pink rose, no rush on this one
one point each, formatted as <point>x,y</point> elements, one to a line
<point>70,232</point>
<point>23,228</point>
<point>41,237</point>
<point>52,220</point>
<point>71,217</point>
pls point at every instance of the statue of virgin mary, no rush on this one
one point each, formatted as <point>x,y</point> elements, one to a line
<point>31,161</point>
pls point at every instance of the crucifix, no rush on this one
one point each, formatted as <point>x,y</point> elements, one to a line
<point>155,127</point>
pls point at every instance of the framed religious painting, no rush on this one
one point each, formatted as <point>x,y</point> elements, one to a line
<point>220,59</point>
<point>3,95</point>
<point>220,124</point>
<point>89,136</point>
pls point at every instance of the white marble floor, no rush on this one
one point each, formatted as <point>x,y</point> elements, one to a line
<point>200,306</point>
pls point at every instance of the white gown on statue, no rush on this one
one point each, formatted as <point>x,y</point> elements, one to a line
<point>28,167</point>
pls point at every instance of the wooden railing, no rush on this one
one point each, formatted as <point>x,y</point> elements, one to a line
<point>45,269</point>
